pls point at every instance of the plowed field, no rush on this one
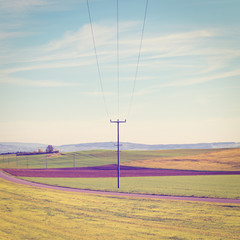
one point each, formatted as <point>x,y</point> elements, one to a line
<point>109,171</point>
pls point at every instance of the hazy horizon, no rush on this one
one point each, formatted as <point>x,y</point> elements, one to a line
<point>115,142</point>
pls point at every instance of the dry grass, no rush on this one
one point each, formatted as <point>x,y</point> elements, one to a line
<point>218,160</point>
<point>31,213</point>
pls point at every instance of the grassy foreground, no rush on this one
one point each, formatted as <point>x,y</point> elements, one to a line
<point>222,186</point>
<point>31,213</point>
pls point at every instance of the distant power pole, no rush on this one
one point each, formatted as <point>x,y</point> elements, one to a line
<point>118,147</point>
<point>74,160</point>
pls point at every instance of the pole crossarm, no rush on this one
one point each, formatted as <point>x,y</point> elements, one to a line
<point>118,147</point>
<point>118,121</point>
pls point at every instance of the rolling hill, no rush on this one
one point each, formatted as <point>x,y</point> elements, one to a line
<point>6,147</point>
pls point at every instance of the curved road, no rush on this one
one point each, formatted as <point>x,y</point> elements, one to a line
<point>196,199</point>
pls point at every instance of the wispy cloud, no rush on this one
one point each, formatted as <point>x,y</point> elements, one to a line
<point>100,93</point>
<point>22,5</point>
<point>15,6</point>
<point>198,80</point>
<point>207,2</point>
<point>52,65</point>
<point>37,83</point>
<point>8,35</point>
<point>188,82</point>
<point>193,50</point>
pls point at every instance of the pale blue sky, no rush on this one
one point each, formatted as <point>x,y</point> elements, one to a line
<point>188,84</point>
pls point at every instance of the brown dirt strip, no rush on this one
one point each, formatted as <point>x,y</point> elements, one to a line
<point>195,199</point>
<point>109,171</point>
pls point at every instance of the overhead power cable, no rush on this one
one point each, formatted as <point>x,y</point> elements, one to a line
<point>96,56</point>
<point>118,84</point>
<point>138,60</point>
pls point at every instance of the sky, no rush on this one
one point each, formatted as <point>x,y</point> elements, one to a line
<point>184,89</point>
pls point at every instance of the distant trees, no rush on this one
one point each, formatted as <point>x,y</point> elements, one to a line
<point>49,149</point>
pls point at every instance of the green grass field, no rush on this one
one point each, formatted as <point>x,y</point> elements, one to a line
<point>199,186</point>
<point>33,213</point>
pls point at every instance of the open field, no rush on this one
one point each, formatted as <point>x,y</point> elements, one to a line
<point>37,213</point>
<point>198,186</point>
<point>224,159</point>
<point>32,213</point>
<point>190,159</point>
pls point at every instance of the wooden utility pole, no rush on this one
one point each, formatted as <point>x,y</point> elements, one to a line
<point>118,148</point>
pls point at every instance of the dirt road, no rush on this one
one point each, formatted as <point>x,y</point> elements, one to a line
<point>132,195</point>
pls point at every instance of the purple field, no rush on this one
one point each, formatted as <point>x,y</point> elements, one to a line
<point>108,171</point>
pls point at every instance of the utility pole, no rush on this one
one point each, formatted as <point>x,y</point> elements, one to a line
<point>118,147</point>
<point>74,160</point>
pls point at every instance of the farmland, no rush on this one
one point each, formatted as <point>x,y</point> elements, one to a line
<point>223,159</point>
<point>35,213</point>
<point>190,159</point>
<point>169,183</point>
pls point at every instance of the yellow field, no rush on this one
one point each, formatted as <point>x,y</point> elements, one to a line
<point>222,159</point>
<point>31,213</point>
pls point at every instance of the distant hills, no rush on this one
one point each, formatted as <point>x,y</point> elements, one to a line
<point>6,147</point>
<point>137,146</point>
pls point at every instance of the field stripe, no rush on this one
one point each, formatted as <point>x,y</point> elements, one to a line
<point>109,171</point>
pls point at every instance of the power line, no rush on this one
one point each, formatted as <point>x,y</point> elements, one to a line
<point>138,59</point>
<point>118,75</point>
<point>96,56</point>
<point>118,68</point>
<point>118,84</point>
